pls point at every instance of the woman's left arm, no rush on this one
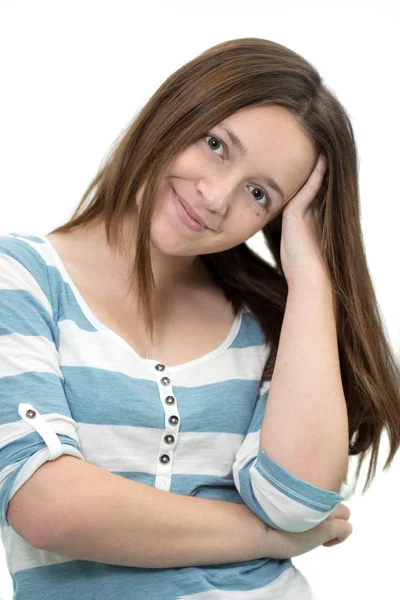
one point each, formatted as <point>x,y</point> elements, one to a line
<point>305,425</point>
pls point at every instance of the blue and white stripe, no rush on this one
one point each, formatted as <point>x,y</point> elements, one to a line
<point>96,399</point>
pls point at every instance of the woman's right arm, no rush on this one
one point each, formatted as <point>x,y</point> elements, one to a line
<point>81,511</point>
<point>78,510</point>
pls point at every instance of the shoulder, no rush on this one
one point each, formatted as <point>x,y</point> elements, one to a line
<point>24,261</point>
<point>24,248</point>
<point>251,328</point>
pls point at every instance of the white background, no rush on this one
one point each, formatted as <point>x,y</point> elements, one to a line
<point>73,74</point>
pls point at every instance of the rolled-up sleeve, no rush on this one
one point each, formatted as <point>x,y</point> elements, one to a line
<point>279,498</point>
<point>36,424</point>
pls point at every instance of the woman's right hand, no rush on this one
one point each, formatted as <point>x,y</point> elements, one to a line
<point>334,530</point>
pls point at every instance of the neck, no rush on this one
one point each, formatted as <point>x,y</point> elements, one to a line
<point>172,274</point>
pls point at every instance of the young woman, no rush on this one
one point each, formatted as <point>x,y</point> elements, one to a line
<point>212,398</point>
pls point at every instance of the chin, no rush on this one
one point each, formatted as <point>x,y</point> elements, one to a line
<point>167,240</point>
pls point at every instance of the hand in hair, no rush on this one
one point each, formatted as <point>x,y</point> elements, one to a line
<point>300,243</point>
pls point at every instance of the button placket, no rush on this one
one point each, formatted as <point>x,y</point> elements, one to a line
<point>164,465</point>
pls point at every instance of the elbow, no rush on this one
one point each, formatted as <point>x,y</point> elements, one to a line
<point>40,511</point>
<point>42,536</point>
<point>286,503</point>
<point>27,523</point>
<point>280,499</point>
<point>39,541</point>
<point>38,528</point>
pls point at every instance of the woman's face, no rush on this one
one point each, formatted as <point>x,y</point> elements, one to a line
<point>227,187</point>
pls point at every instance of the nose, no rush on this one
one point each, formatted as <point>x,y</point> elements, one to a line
<point>216,193</point>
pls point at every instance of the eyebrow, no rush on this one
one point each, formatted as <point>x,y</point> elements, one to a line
<point>238,144</point>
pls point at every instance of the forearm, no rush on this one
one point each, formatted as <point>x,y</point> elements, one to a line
<point>105,518</point>
<point>305,426</point>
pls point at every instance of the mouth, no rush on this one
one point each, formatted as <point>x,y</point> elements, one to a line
<point>187,214</point>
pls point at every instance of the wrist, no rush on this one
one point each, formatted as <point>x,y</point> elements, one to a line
<point>313,290</point>
<point>312,282</point>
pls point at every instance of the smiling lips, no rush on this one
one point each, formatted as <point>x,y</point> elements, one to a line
<point>187,214</point>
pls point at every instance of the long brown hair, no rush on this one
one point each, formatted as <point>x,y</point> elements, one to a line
<point>230,76</point>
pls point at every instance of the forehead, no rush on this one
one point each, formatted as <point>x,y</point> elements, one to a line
<point>273,145</point>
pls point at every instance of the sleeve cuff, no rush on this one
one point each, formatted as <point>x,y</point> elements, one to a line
<point>298,489</point>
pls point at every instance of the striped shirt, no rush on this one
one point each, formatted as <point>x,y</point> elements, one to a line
<point>70,385</point>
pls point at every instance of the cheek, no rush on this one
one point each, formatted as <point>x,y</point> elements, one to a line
<point>239,228</point>
<point>167,234</point>
<point>165,237</point>
<point>250,220</point>
<point>188,163</point>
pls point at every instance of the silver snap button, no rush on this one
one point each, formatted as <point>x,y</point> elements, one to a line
<point>31,414</point>
<point>173,420</point>
<point>164,459</point>
<point>169,400</point>
<point>165,381</point>
<point>160,367</point>
<point>169,439</point>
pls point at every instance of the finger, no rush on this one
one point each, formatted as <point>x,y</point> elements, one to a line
<point>341,529</point>
<point>337,540</point>
<point>341,512</point>
<point>332,543</point>
<point>306,194</point>
<point>313,183</point>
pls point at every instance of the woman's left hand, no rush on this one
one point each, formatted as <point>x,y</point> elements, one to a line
<point>300,243</point>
